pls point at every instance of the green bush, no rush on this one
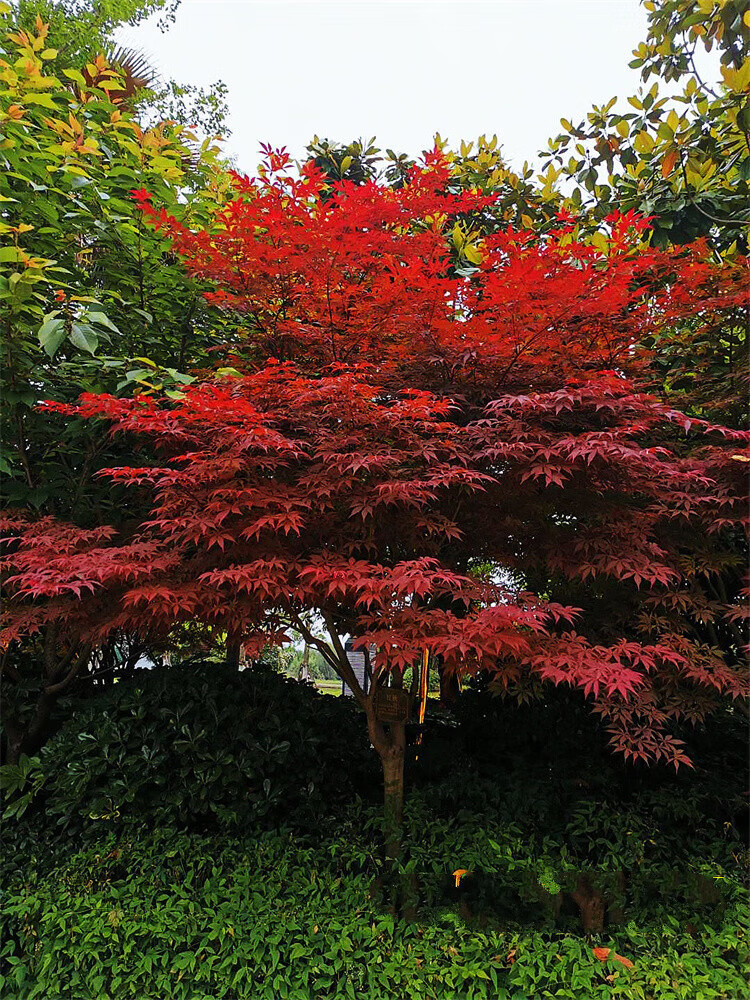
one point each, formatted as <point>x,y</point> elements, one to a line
<point>170,916</point>
<point>538,808</point>
<point>546,765</point>
<point>200,748</point>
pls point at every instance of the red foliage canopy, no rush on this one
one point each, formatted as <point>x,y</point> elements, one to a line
<point>418,445</point>
<point>365,273</point>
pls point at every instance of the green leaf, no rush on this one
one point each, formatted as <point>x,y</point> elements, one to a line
<point>101,319</point>
<point>73,74</point>
<point>10,254</point>
<point>84,337</point>
<point>51,335</point>
<point>43,100</point>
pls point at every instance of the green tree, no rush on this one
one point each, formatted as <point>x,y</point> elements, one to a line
<point>521,198</point>
<point>83,29</point>
<point>682,157</point>
<point>90,298</point>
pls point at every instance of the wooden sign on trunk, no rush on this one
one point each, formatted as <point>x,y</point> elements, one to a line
<point>392,705</point>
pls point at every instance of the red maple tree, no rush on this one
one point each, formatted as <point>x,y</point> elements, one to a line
<point>432,442</point>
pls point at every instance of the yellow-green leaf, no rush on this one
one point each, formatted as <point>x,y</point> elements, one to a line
<point>473,254</point>
<point>73,74</point>
<point>44,100</point>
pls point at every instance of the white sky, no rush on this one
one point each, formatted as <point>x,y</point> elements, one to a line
<point>400,70</point>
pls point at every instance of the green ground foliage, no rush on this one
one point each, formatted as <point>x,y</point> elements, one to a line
<point>147,855</point>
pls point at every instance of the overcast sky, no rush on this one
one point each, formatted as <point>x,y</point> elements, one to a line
<point>400,70</point>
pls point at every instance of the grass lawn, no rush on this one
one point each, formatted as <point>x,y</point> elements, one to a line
<point>328,687</point>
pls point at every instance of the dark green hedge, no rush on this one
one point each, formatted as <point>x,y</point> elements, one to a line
<point>202,748</point>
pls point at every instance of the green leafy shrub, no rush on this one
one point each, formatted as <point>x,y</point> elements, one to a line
<point>547,765</point>
<point>201,748</point>
<point>168,916</point>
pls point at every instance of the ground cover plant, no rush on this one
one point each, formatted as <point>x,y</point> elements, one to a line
<point>170,916</point>
<point>156,897</point>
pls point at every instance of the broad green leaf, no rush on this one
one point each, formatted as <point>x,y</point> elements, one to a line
<point>75,75</point>
<point>84,337</point>
<point>101,319</point>
<point>43,100</point>
<point>51,335</point>
<point>10,254</point>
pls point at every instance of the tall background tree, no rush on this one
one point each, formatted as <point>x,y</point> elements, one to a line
<point>681,151</point>
<point>81,30</point>
<point>90,297</point>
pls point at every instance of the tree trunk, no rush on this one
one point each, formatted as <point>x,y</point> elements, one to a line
<point>449,687</point>
<point>303,674</point>
<point>59,673</point>
<point>31,737</point>
<point>234,649</point>
<point>11,744</point>
<point>393,801</point>
<point>591,904</point>
<point>389,741</point>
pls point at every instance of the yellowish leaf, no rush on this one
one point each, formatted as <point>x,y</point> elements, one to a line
<point>737,80</point>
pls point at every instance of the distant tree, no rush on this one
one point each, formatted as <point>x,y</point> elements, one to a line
<point>518,198</point>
